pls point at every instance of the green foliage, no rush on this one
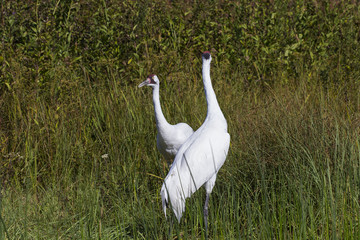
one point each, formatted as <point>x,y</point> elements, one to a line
<point>78,158</point>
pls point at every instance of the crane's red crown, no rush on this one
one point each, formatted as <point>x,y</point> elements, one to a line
<point>206,55</point>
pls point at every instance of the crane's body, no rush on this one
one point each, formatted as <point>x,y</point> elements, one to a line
<point>169,137</point>
<point>200,157</point>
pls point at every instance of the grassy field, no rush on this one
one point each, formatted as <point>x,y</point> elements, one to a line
<point>78,157</point>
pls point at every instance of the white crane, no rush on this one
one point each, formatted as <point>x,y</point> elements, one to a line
<point>169,137</point>
<point>200,157</point>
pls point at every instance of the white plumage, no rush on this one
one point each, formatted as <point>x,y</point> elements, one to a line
<point>169,137</point>
<point>200,157</point>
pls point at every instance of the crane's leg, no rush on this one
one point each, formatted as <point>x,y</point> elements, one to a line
<point>209,185</point>
<point>206,212</point>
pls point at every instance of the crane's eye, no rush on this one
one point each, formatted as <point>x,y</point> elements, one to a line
<point>152,81</point>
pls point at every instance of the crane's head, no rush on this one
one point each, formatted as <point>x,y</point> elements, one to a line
<point>152,81</point>
<point>206,56</point>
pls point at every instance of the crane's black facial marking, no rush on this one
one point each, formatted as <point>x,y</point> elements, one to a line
<point>206,55</point>
<point>151,79</point>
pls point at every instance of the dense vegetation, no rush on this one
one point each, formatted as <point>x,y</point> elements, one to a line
<point>78,157</point>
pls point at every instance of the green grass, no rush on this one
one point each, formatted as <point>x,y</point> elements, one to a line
<point>78,138</point>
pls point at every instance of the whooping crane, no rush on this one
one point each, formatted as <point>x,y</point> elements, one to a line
<point>200,157</point>
<point>169,137</point>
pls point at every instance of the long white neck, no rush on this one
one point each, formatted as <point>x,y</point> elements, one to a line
<point>159,116</point>
<point>212,103</point>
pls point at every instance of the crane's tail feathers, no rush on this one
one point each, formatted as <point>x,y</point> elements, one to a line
<point>177,202</point>
<point>179,208</point>
<point>164,198</point>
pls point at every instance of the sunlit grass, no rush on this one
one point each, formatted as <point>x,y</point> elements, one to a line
<point>292,170</point>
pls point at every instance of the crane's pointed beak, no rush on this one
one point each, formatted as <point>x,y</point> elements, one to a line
<point>146,82</point>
